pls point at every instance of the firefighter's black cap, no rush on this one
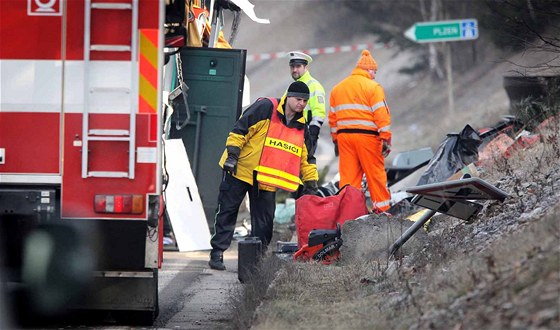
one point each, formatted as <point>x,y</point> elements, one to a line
<point>298,89</point>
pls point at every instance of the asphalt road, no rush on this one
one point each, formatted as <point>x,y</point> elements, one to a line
<point>191,295</point>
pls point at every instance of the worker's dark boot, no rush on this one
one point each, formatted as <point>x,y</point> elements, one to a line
<point>217,260</point>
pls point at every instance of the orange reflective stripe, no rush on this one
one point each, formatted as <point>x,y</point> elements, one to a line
<point>148,72</point>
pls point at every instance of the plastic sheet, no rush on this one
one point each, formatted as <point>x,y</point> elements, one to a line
<point>285,212</point>
<point>454,153</point>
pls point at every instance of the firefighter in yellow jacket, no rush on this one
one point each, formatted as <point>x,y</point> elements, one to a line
<point>264,151</point>
<point>360,124</point>
<point>314,112</point>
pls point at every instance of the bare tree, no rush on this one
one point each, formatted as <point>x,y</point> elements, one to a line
<point>434,55</point>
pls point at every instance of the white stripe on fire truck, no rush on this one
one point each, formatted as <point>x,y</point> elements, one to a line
<point>36,86</point>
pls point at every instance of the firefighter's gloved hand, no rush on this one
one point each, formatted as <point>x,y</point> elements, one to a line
<point>314,132</point>
<point>230,165</point>
<point>310,187</point>
<point>336,148</point>
<point>386,148</point>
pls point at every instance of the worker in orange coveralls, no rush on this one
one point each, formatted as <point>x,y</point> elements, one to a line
<point>360,124</point>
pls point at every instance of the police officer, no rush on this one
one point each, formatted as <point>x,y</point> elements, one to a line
<point>315,110</point>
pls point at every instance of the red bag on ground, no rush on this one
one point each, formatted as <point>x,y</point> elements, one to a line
<point>315,212</point>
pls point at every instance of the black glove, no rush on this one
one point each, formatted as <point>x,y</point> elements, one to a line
<point>314,132</point>
<point>310,187</point>
<point>336,149</point>
<point>386,148</point>
<point>230,165</point>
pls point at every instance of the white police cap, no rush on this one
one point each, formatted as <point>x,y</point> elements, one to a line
<point>299,58</point>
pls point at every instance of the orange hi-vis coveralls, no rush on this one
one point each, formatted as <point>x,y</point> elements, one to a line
<point>360,119</point>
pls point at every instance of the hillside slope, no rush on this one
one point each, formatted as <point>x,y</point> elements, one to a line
<point>499,271</point>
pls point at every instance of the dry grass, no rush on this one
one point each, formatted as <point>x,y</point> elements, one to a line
<point>243,300</point>
<point>441,294</point>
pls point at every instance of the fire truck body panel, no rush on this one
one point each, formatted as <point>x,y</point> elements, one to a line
<point>79,120</point>
<point>45,91</point>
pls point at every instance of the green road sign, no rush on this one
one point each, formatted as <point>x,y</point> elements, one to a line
<point>457,30</point>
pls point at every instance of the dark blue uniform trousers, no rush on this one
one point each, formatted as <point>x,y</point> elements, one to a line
<point>262,205</point>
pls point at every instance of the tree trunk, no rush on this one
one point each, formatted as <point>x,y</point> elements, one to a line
<point>436,10</point>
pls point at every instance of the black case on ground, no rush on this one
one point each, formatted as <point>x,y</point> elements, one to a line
<point>249,255</point>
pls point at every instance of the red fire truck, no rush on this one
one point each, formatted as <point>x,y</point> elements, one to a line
<point>80,154</point>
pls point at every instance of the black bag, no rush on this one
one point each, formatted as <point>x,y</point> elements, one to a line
<point>454,153</point>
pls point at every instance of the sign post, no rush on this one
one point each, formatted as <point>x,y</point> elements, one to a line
<point>442,31</point>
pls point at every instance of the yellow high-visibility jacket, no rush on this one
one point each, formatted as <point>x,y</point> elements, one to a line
<point>249,135</point>
<point>316,102</point>
<point>317,99</point>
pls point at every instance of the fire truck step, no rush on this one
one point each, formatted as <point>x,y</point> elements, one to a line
<point>107,138</point>
<point>107,174</point>
<point>109,132</point>
<point>110,48</point>
<point>111,5</point>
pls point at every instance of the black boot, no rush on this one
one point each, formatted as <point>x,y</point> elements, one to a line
<point>217,260</point>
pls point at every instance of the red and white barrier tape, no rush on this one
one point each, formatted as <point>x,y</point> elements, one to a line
<point>317,51</point>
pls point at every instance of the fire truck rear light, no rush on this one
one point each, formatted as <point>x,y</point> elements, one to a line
<point>137,204</point>
<point>125,204</point>
<point>110,204</point>
<point>118,204</point>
